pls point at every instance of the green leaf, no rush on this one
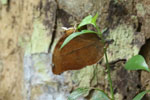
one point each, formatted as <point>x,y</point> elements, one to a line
<point>100,95</point>
<point>137,63</point>
<point>78,93</point>
<point>88,20</point>
<point>85,21</point>
<point>94,19</point>
<point>73,35</point>
<point>140,95</point>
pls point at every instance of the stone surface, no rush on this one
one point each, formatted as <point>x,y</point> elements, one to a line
<point>126,42</point>
<point>41,83</point>
<point>145,76</point>
<point>13,26</point>
<point>28,28</point>
<point>17,25</point>
<point>76,8</point>
<point>126,83</point>
<point>11,78</point>
<point>143,13</point>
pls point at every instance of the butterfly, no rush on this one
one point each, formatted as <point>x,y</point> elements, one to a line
<point>83,50</point>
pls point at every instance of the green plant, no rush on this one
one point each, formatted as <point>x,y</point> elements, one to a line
<point>135,63</point>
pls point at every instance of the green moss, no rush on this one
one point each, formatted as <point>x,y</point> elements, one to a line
<point>84,76</point>
<point>140,9</point>
<point>118,96</point>
<point>122,47</point>
<point>4,2</point>
<point>89,76</point>
<point>40,39</point>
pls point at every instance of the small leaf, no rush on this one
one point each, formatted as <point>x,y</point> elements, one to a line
<point>140,95</point>
<point>137,63</point>
<point>73,35</point>
<point>78,93</point>
<point>88,20</point>
<point>94,19</point>
<point>85,21</point>
<point>100,95</point>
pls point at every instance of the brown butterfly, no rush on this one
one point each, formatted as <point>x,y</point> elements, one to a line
<point>83,50</point>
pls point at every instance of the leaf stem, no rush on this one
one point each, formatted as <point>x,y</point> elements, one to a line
<point>107,63</point>
<point>100,33</point>
<point>109,76</point>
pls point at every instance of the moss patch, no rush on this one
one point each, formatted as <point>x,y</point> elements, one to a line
<point>40,39</point>
<point>140,9</point>
<point>4,2</point>
<point>122,47</point>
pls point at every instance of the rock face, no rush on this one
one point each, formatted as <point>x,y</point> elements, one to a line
<point>30,29</point>
<point>15,23</point>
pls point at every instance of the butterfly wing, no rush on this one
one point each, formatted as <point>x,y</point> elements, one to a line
<point>86,49</point>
